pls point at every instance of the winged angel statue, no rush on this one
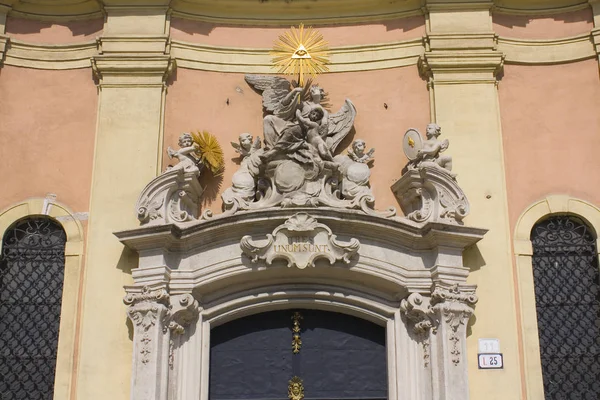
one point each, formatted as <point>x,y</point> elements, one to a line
<point>296,166</point>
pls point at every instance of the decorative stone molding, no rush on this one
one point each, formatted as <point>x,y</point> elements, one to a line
<point>428,190</point>
<point>132,70</point>
<point>417,309</point>
<point>156,318</point>
<point>431,194</point>
<point>461,66</point>
<point>301,241</point>
<point>174,195</point>
<point>453,306</point>
<point>4,44</point>
<point>552,51</point>
<point>55,57</point>
<point>257,60</point>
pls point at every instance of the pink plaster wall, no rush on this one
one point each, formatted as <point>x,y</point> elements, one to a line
<point>197,100</point>
<point>551,132</point>
<point>47,130</point>
<point>546,27</point>
<point>53,32</point>
<point>339,35</point>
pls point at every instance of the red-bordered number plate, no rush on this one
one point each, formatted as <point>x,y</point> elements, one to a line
<point>490,361</point>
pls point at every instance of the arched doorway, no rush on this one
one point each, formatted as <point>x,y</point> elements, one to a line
<point>336,356</point>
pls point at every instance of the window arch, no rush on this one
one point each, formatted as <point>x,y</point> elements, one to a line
<point>567,297</point>
<point>31,281</point>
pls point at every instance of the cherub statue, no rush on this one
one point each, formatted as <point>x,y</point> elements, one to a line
<point>186,154</point>
<point>432,147</point>
<point>282,102</point>
<point>244,179</point>
<point>246,146</point>
<point>357,153</point>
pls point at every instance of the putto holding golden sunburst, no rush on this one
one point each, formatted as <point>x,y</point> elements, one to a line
<point>301,51</point>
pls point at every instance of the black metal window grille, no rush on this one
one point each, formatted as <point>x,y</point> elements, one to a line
<point>567,293</point>
<point>31,280</point>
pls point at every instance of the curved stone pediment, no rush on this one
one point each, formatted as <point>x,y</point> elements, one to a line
<point>396,252</point>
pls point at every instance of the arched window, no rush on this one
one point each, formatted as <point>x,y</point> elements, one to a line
<point>31,281</point>
<point>567,296</point>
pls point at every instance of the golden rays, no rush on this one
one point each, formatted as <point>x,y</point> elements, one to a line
<point>301,51</point>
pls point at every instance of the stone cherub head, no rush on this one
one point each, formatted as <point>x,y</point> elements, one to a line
<point>246,145</point>
<point>433,130</point>
<point>357,153</point>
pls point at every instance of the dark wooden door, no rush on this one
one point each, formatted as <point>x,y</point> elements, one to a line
<point>341,357</point>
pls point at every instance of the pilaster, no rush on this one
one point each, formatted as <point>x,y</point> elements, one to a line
<point>4,39</point>
<point>131,71</point>
<point>595,4</point>
<point>463,66</point>
<point>158,322</point>
<point>439,321</point>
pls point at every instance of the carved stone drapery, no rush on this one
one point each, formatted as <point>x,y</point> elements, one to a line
<point>156,317</point>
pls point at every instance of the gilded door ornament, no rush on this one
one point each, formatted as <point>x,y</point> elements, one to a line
<point>295,389</point>
<point>296,341</point>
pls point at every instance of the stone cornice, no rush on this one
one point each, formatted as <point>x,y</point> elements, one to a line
<point>4,40</point>
<point>248,60</point>
<point>132,70</point>
<point>554,51</point>
<point>66,56</point>
<point>281,12</point>
<point>395,231</point>
<point>461,67</point>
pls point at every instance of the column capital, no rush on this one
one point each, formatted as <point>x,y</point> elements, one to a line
<point>132,70</point>
<point>157,318</point>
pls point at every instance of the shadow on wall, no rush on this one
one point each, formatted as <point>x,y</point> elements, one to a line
<point>511,21</point>
<point>205,28</point>
<point>77,28</point>
<point>473,259</point>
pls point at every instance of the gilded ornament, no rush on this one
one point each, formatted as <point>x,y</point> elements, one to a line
<point>296,341</point>
<point>301,51</point>
<point>295,389</point>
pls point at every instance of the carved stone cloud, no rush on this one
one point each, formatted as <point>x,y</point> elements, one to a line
<point>300,240</point>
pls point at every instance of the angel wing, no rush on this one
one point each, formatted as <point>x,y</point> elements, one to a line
<point>339,125</point>
<point>237,147</point>
<point>273,89</point>
<point>370,153</point>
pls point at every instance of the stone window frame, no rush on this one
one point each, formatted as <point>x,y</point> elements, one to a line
<point>64,378</point>
<point>523,251</point>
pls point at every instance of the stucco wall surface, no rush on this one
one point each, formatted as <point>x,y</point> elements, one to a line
<point>47,130</point>
<point>550,125</point>
<point>198,101</point>
<point>45,32</point>
<point>543,27</point>
<point>344,35</point>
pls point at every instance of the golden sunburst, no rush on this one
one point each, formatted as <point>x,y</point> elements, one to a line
<point>301,51</point>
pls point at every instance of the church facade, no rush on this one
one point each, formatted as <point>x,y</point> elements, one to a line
<point>417,220</point>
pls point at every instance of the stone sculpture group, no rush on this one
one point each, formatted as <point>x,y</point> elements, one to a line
<point>296,164</point>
